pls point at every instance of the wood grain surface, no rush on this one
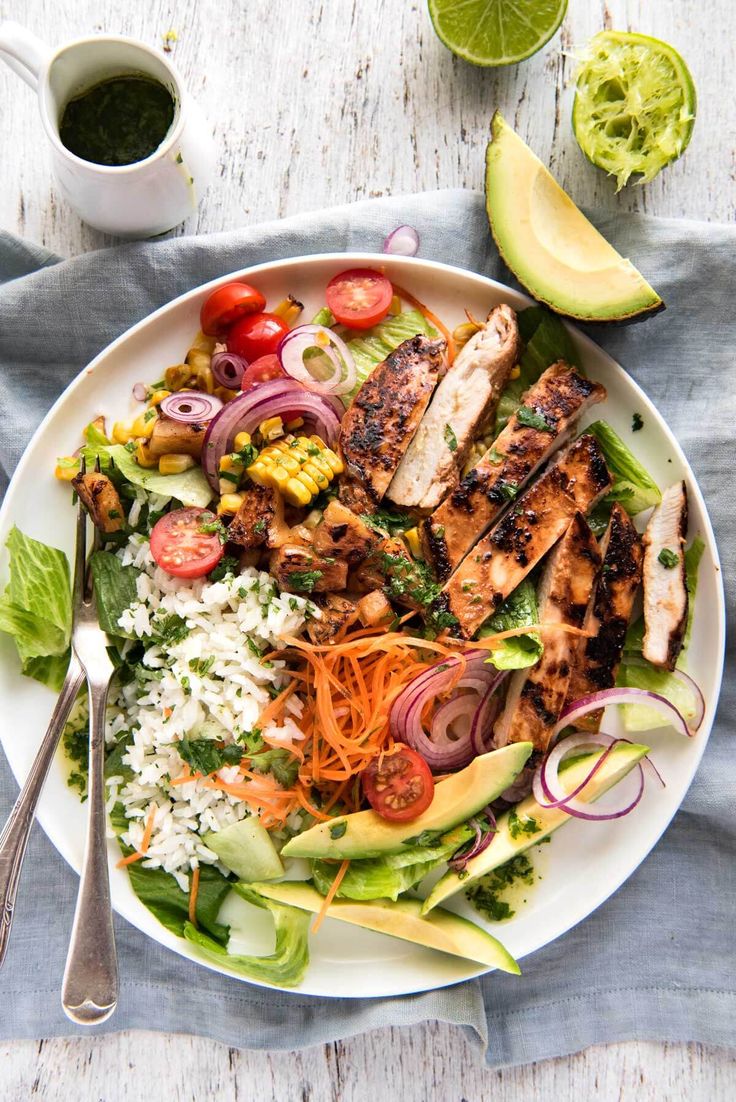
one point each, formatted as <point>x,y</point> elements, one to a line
<point>313,104</point>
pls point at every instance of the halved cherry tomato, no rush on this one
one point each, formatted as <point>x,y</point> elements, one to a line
<point>401,788</point>
<point>256,335</point>
<point>262,370</point>
<point>360,297</point>
<point>226,305</point>
<point>182,546</point>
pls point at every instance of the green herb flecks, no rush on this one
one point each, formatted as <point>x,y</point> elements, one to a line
<point>304,581</point>
<point>527,416</point>
<point>637,422</point>
<point>383,521</point>
<point>486,894</point>
<point>206,755</point>
<point>450,438</point>
<point>227,565</point>
<point>519,827</point>
<point>668,558</point>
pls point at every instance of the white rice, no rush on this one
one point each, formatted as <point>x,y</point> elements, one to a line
<point>211,683</point>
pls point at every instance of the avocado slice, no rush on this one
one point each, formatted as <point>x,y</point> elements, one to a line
<point>443,930</point>
<point>366,834</point>
<point>246,849</point>
<point>512,838</point>
<point>549,244</point>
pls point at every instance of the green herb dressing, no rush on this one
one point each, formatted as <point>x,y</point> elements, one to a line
<point>118,121</point>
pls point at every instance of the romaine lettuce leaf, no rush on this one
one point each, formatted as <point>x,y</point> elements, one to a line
<point>115,590</point>
<point>34,636</point>
<point>159,891</point>
<point>285,967</point>
<point>39,582</point>
<point>49,670</point>
<point>518,610</point>
<point>547,340</point>
<point>373,347</point>
<point>693,555</point>
<point>190,487</point>
<point>633,486</point>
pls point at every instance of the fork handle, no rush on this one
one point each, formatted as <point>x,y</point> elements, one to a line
<point>90,989</point>
<point>15,834</point>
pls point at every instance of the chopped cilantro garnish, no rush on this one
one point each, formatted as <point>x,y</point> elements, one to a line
<point>518,826</point>
<point>637,422</point>
<point>532,420</point>
<point>213,527</point>
<point>260,525</point>
<point>170,630</point>
<point>383,521</point>
<point>485,895</point>
<point>450,438</point>
<point>226,565</point>
<point>338,829</point>
<point>669,559</point>
<point>206,755</point>
<point>304,581</point>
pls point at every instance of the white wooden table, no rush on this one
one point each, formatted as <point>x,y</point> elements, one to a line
<point>316,103</point>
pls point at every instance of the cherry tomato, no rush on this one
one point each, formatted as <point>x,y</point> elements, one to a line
<point>401,788</point>
<point>360,297</point>
<point>226,305</point>
<point>182,546</point>
<point>256,335</point>
<point>262,370</point>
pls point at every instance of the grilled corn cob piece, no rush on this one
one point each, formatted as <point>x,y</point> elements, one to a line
<point>299,467</point>
<point>229,504</point>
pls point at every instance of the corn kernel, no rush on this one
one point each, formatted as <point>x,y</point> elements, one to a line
<point>328,455</point>
<point>309,482</point>
<point>158,396</point>
<point>175,463</point>
<point>229,504</point>
<point>395,307</point>
<point>143,425</point>
<point>413,542</point>
<point>143,456</point>
<point>295,424</point>
<point>316,475</point>
<point>66,468</point>
<point>271,428</point>
<point>242,440</point>
<point>225,394</point>
<point>515,372</point>
<point>178,376</point>
<point>296,493</point>
<point>122,433</point>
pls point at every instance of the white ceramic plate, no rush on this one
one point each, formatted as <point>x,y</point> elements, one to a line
<point>586,862</point>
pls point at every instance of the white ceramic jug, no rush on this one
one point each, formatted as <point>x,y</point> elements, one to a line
<point>136,200</point>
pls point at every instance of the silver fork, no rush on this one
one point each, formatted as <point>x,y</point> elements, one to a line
<point>90,988</point>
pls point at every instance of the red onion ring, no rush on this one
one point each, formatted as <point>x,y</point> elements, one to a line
<point>593,701</point>
<point>296,343</point>
<point>269,399</point>
<point>481,732</point>
<point>140,392</point>
<point>480,843</point>
<point>403,241</point>
<point>190,407</point>
<point>228,369</point>
<point>548,790</point>
<point>687,681</point>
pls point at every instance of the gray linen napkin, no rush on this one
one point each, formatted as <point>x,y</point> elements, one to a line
<point>657,960</point>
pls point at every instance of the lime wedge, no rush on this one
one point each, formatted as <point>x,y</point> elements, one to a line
<point>634,107</point>
<point>496,32</point>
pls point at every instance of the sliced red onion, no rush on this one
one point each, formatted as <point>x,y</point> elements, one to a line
<point>245,413</point>
<point>190,407</point>
<point>140,392</point>
<point>403,241</point>
<point>228,369</point>
<point>688,682</point>
<point>548,790</point>
<point>295,344</point>
<point>481,842</point>
<point>593,701</point>
<point>481,729</point>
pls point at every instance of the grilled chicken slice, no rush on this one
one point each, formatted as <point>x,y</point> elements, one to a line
<point>101,500</point>
<point>535,696</point>
<point>342,534</point>
<point>598,658</point>
<point>665,591</point>
<point>466,397</point>
<point>560,396</point>
<point>297,569</point>
<point>259,522</point>
<point>176,438</point>
<point>380,424</point>
<point>574,482</point>
<point>338,613</point>
<point>390,568</point>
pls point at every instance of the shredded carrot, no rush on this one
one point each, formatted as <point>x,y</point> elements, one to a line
<point>193,893</point>
<point>330,896</point>
<point>129,859</point>
<point>431,317</point>
<point>274,709</point>
<point>145,843</point>
<point>185,778</point>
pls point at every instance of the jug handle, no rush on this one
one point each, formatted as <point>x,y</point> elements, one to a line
<point>26,54</point>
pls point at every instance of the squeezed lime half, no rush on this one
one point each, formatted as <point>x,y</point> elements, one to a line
<point>496,32</point>
<point>635,104</point>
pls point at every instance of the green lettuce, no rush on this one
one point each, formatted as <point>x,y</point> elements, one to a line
<point>547,340</point>
<point>36,608</point>
<point>518,610</point>
<point>372,348</point>
<point>161,894</point>
<point>190,487</point>
<point>115,590</point>
<point>633,486</point>
<point>285,967</point>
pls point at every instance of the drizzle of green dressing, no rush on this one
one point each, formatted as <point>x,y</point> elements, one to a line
<point>493,895</point>
<point>118,121</point>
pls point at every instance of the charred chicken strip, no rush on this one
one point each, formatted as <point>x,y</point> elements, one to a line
<point>535,696</point>
<point>465,398</point>
<point>338,613</point>
<point>101,500</point>
<point>342,534</point>
<point>259,522</point>
<point>297,569</point>
<point>176,438</point>
<point>665,590</point>
<point>573,483</point>
<point>556,401</point>
<point>380,424</point>
<point>598,658</point>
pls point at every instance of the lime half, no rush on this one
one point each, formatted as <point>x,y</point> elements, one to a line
<point>496,32</point>
<point>634,107</point>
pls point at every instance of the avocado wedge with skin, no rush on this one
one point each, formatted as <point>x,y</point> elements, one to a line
<point>514,835</point>
<point>549,244</point>
<point>464,794</point>
<point>442,930</point>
